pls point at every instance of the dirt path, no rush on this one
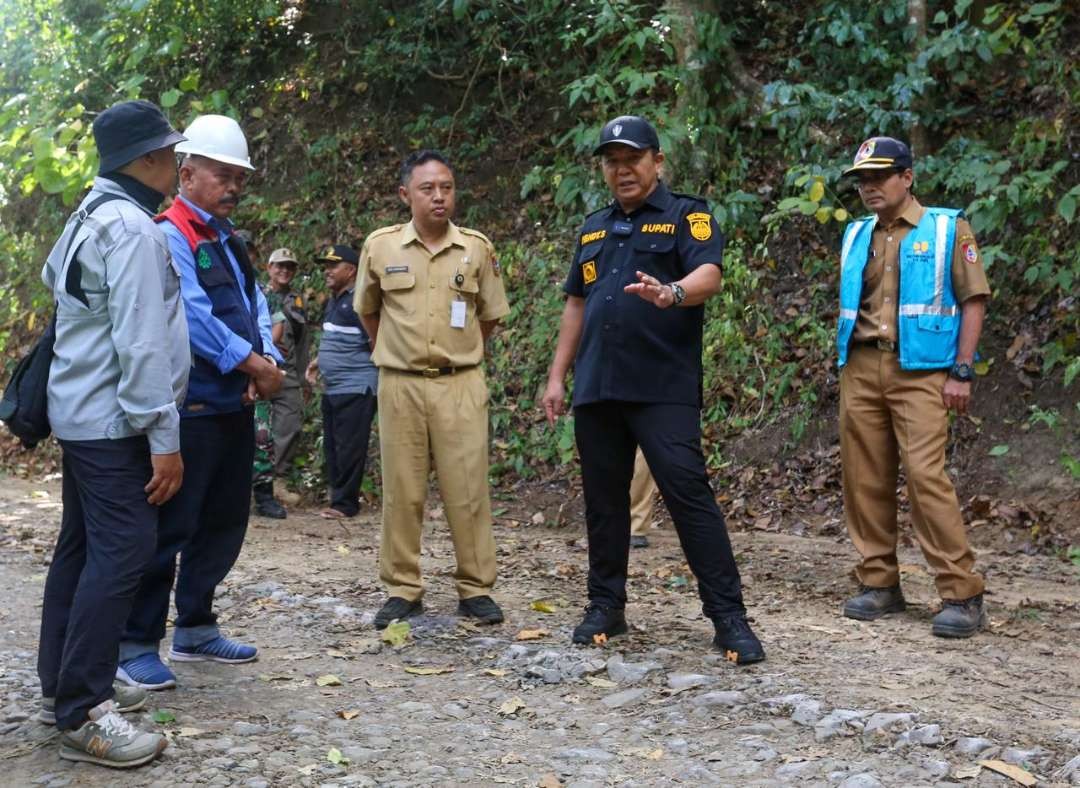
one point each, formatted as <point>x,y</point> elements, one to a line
<point>837,703</point>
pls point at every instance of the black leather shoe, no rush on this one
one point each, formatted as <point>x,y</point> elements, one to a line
<point>873,603</point>
<point>266,505</point>
<point>737,641</point>
<point>482,608</point>
<point>639,540</point>
<point>960,618</point>
<point>399,608</point>
<point>600,620</point>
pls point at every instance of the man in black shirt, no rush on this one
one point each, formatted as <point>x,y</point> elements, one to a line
<point>632,326</point>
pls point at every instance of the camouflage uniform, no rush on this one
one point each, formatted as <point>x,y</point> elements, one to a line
<point>264,445</point>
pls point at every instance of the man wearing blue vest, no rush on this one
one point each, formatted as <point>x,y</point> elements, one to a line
<point>912,300</point>
<point>234,363</point>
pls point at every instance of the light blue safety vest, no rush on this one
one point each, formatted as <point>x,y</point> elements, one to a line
<point>929,317</point>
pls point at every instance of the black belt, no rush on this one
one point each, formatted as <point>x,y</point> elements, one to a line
<point>437,372</point>
<point>884,345</point>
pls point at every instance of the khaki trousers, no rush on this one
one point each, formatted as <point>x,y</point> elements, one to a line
<point>445,419</point>
<point>642,496</point>
<point>889,416</point>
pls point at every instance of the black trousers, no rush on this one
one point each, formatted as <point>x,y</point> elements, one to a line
<point>205,524</point>
<point>107,537</point>
<point>346,430</point>
<point>608,434</point>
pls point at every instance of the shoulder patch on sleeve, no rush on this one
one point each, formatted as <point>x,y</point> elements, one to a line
<point>700,225</point>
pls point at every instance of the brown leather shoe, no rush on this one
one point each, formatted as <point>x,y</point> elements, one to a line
<point>960,618</point>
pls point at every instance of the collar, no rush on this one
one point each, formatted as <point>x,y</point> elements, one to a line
<point>348,291</point>
<point>453,236</point>
<point>223,226</point>
<point>912,215</point>
<point>150,199</point>
<point>659,198</point>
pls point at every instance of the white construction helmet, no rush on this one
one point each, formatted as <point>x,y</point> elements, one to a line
<point>216,137</point>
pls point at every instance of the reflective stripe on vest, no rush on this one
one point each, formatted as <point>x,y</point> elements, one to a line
<point>929,321</point>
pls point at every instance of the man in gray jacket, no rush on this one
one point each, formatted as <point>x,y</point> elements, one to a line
<point>118,374</point>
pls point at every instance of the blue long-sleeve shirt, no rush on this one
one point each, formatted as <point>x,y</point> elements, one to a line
<point>210,337</point>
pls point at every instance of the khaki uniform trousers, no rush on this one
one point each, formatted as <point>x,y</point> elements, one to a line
<point>287,417</point>
<point>887,416</point>
<point>642,495</point>
<point>445,419</point>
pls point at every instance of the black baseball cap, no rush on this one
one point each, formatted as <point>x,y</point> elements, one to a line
<point>881,153</point>
<point>131,129</point>
<point>632,130</point>
<point>338,253</point>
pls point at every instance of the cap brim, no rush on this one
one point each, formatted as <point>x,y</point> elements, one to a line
<point>872,164</point>
<point>119,158</point>
<point>627,143</point>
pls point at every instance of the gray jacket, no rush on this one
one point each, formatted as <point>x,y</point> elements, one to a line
<point>120,367</point>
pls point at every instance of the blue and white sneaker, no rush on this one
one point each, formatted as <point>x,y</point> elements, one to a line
<point>220,649</point>
<point>146,671</point>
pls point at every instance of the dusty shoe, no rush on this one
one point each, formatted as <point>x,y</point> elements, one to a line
<point>265,505</point>
<point>600,620</point>
<point>639,540</point>
<point>960,618</point>
<point>126,699</point>
<point>399,608</point>
<point>482,608</point>
<point>107,739</point>
<point>737,641</point>
<point>218,649</point>
<point>873,603</point>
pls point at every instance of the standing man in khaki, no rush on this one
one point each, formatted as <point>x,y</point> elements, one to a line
<point>912,301</point>
<point>430,294</point>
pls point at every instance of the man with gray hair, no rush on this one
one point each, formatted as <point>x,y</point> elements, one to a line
<point>234,363</point>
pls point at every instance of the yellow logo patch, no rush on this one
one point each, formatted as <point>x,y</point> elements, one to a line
<point>588,238</point>
<point>920,247</point>
<point>588,270</point>
<point>666,229</point>
<point>700,226</point>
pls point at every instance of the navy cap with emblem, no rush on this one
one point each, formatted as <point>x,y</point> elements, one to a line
<point>131,129</point>
<point>632,130</point>
<point>881,153</point>
<point>338,253</point>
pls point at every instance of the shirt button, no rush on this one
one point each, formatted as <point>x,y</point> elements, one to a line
<point>888,268</point>
<point>614,270</point>
<point>889,239</point>
<point>620,244</point>
<point>884,327</point>
<point>432,285</point>
<point>886,299</point>
<point>607,326</point>
<point>607,298</point>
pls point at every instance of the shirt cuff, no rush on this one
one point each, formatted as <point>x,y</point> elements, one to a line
<point>165,437</point>
<point>233,355</point>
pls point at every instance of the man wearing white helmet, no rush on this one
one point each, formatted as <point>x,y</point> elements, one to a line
<point>234,362</point>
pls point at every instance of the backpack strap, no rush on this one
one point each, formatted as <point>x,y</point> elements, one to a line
<point>73,280</point>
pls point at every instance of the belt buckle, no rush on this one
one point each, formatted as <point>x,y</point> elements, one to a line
<point>886,345</point>
<point>431,372</point>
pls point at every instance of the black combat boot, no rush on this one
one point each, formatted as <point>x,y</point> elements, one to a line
<point>736,640</point>
<point>265,503</point>
<point>600,620</point>
<point>873,603</point>
<point>960,618</point>
<point>397,608</point>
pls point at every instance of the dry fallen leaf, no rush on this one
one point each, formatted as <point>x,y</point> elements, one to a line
<point>966,772</point>
<point>499,672</point>
<point>1021,776</point>
<point>307,770</point>
<point>549,781</point>
<point>190,732</point>
<point>542,606</point>
<point>430,671</point>
<point>511,757</point>
<point>512,706</point>
<point>532,634</point>
<point>596,681</point>
<point>348,715</point>
<point>329,680</point>
<point>333,652</point>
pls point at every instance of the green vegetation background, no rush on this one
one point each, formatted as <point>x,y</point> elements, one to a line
<point>759,104</point>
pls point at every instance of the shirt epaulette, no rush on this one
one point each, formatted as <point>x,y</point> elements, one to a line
<point>393,228</point>
<point>475,234</point>
<point>695,197</point>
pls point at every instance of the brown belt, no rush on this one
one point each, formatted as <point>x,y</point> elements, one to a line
<point>437,372</point>
<point>883,345</point>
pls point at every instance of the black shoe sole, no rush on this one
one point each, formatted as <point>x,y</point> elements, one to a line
<point>740,658</point>
<point>588,639</point>
<point>866,615</point>
<point>466,613</point>
<point>271,515</point>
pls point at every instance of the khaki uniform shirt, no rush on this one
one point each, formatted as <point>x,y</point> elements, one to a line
<point>878,308</point>
<point>413,291</point>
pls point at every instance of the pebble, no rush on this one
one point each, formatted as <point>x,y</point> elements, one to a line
<point>839,722</point>
<point>624,698</point>
<point>806,712</point>
<point>1070,771</point>
<point>1018,756</point>
<point>622,672</point>
<point>864,780</point>
<point>587,754</point>
<point>15,715</point>
<point>685,681</point>
<point>923,735</point>
<point>882,722</point>
<point>721,698</point>
<point>247,729</point>
<point>972,745</point>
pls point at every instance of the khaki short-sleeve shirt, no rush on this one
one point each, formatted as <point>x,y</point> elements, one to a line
<point>413,291</point>
<point>878,308</point>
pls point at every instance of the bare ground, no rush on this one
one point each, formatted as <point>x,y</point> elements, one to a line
<point>838,702</point>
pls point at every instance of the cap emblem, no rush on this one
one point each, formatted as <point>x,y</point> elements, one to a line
<point>866,150</point>
<point>617,129</point>
<point>330,254</point>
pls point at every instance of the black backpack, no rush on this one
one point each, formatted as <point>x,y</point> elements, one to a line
<point>25,407</point>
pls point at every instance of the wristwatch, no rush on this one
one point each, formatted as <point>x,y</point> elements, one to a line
<point>678,295</point>
<point>962,372</point>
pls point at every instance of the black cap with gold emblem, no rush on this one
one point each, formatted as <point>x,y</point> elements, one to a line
<point>338,253</point>
<point>881,153</point>
<point>632,130</point>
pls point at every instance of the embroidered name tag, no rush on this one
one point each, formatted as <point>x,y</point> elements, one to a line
<point>665,229</point>
<point>588,238</point>
<point>397,269</point>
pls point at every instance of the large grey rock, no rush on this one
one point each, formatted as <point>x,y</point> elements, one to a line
<point>922,735</point>
<point>247,729</point>
<point>720,698</point>
<point>622,672</point>
<point>972,745</point>
<point>806,712</point>
<point>586,754</point>
<point>838,722</point>
<point>883,723</point>
<point>1070,772</point>
<point>624,698</point>
<point>863,780</point>
<point>1019,756</point>
<point>685,681</point>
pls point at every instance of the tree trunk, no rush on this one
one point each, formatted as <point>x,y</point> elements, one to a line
<point>917,24</point>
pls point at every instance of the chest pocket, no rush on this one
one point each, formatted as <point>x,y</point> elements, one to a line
<point>588,262</point>
<point>397,291</point>
<point>467,290</point>
<point>214,276</point>
<point>654,253</point>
